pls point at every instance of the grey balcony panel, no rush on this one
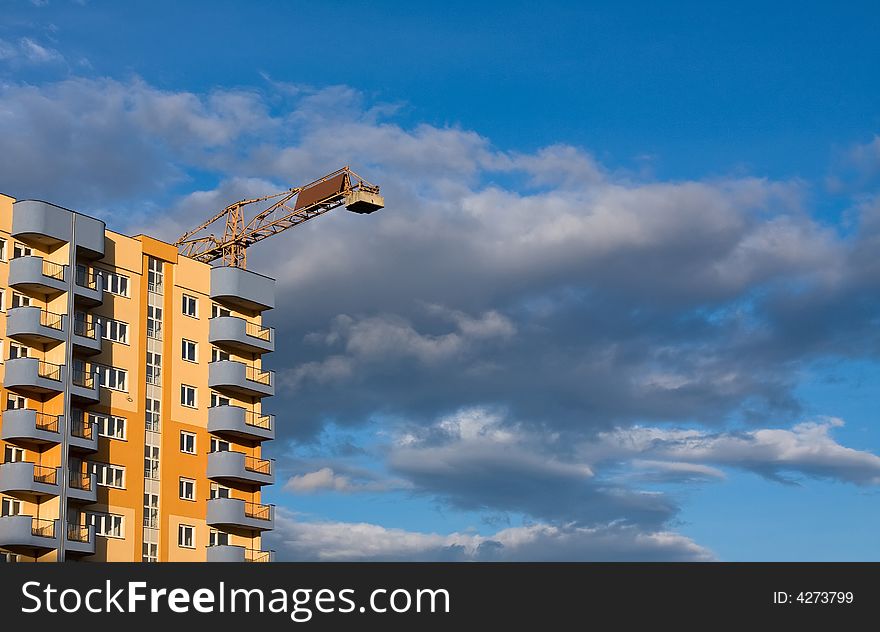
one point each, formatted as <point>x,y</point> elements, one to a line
<point>38,222</point>
<point>238,378</point>
<point>88,287</point>
<point>83,436</point>
<point>79,540</point>
<point>28,426</point>
<point>232,466</point>
<point>240,423</point>
<point>242,288</point>
<point>32,326</point>
<point>233,512</point>
<point>83,488</point>
<point>240,335</point>
<point>84,387</point>
<point>19,533</point>
<point>31,375</point>
<point>27,274</point>
<point>21,478</point>
<point>86,337</point>
<point>238,554</point>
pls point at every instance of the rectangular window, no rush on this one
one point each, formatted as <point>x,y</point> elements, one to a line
<point>14,402</point>
<point>106,524</point>
<point>154,368</point>
<point>20,300</point>
<point>150,552</point>
<point>219,445</point>
<point>113,330</point>
<point>151,462</point>
<point>11,454</point>
<point>17,351</point>
<point>187,442</point>
<point>108,425</point>
<point>216,311</point>
<point>188,396</point>
<point>109,475</point>
<point>219,491</point>
<point>154,275</point>
<point>114,283</point>
<point>10,507</point>
<point>190,306</point>
<point>112,378</point>
<point>219,400</point>
<point>154,322</point>
<point>20,250</point>
<point>218,355</point>
<point>2,250</point>
<point>218,538</point>
<point>152,415</point>
<point>151,511</point>
<point>189,350</point>
<point>186,536</point>
<point>2,299</point>
<point>187,489</point>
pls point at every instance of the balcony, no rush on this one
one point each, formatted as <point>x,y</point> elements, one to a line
<point>233,512</point>
<point>88,286</point>
<point>47,226</point>
<point>83,435</point>
<point>242,289</point>
<point>86,335</point>
<point>238,554</point>
<point>239,423</point>
<point>22,478</point>
<point>238,467</point>
<point>34,326</point>
<point>25,534</point>
<point>23,426</point>
<point>79,540</point>
<point>33,377</point>
<point>84,386</point>
<point>82,488</point>
<point>239,379</point>
<point>238,334</point>
<point>34,275</point>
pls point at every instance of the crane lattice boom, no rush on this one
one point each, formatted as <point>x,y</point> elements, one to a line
<point>280,211</point>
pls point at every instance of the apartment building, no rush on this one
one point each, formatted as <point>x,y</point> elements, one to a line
<point>132,418</point>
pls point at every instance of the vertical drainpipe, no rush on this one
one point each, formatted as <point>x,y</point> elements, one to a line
<point>68,379</point>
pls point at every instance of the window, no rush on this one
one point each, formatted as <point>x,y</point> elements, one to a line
<point>154,368</point>
<point>218,538</point>
<point>109,475</point>
<point>106,524</point>
<point>154,275</point>
<point>14,402</point>
<point>219,491</point>
<point>187,442</point>
<point>186,536</point>
<point>189,350</point>
<point>114,282</point>
<point>190,306</point>
<point>113,330</point>
<point>1,351</point>
<point>112,378</point>
<point>187,489</point>
<point>150,552</point>
<point>20,250</point>
<point>17,351</point>
<point>151,461</point>
<point>154,322</point>
<point>2,250</point>
<point>109,425</point>
<point>219,445</point>
<point>152,415</point>
<point>20,300</point>
<point>188,395</point>
<point>216,311</point>
<point>217,355</point>
<point>11,454</point>
<point>2,299</point>
<point>151,511</point>
<point>10,507</point>
<point>219,400</point>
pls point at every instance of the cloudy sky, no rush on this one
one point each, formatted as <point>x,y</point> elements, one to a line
<point>623,302</point>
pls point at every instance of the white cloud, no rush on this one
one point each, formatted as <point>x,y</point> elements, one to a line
<point>325,479</point>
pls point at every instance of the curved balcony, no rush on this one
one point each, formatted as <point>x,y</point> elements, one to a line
<point>79,540</point>
<point>34,326</point>
<point>240,335</point>
<point>238,554</point>
<point>242,289</point>
<point>24,426</point>
<point>23,478</point>
<point>34,275</point>
<point>82,487</point>
<point>48,226</point>
<point>86,335</point>
<point>33,377</point>
<point>238,467</point>
<point>27,534</point>
<point>233,512</point>
<point>239,423</point>
<point>84,386</point>
<point>88,286</point>
<point>238,378</point>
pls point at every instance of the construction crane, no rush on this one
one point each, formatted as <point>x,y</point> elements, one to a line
<point>277,213</point>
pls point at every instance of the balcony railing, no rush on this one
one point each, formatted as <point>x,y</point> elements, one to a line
<point>151,522</point>
<point>84,378</point>
<point>50,319</point>
<point>257,511</point>
<point>154,330</point>
<point>81,481</point>
<point>43,528</point>
<point>49,371</point>
<point>45,422</point>
<point>260,466</point>
<point>86,278</point>
<point>258,331</point>
<point>82,429</point>
<point>258,420</point>
<point>255,555</point>
<point>78,533</point>
<point>53,270</point>
<point>259,376</point>
<point>85,328</point>
<point>45,475</point>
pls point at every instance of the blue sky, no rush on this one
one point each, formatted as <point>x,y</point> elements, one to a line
<point>622,303</point>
